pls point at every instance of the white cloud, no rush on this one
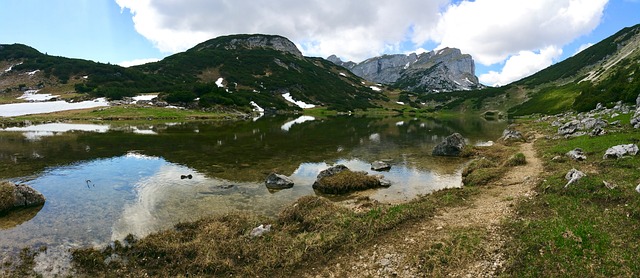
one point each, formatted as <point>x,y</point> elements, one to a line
<point>582,47</point>
<point>355,30</point>
<point>492,31</point>
<point>136,62</point>
<point>523,64</point>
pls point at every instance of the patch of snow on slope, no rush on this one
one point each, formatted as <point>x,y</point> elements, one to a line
<point>219,82</point>
<point>256,107</point>
<point>299,120</point>
<point>342,73</point>
<point>19,109</point>
<point>375,88</point>
<point>300,104</point>
<point>31,73</point>
<point>33,96</point>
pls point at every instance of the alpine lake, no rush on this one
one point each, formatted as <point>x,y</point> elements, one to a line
<point>105,181</point>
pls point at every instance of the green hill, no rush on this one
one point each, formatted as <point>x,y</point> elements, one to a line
<point>258,68</point>
<point>603,73</point>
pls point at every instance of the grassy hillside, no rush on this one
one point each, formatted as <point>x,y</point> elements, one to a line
<point>604,73</point>
<point>258,74</point>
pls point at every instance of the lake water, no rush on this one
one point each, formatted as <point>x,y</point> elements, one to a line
<point>103,182</point>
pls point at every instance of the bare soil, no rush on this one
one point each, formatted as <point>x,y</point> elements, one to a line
<point>395,254</point>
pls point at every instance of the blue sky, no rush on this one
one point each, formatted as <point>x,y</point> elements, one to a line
<point>508,39</point>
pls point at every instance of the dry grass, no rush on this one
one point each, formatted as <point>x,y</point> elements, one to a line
<point>345,182</point>
<point>6,196</point>
<point>487,168</point>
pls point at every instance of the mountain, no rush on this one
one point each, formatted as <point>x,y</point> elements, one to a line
<point>232,71</point>
<point>436,71</point>
<point>604,73</point>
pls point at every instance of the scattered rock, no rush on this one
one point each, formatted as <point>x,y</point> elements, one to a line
<point>638,188</point>
<point>451,146</point>
<point>260,230</point>
<point>189,176</point>
<point>577,154</point>
<point>569,128</point>
<point>277,181</point>
<point>331,171</point>
<point>18,195</point>
<point>511,135</point>
<point>380,166</point>
<point>620,151</point>
<point>557,158</point>
<point>573,176</point>
<point>615,123</point>
<point>609,185</point>
<point>597,132</point>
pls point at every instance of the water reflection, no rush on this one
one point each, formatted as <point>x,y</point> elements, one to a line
<point>135,171</point>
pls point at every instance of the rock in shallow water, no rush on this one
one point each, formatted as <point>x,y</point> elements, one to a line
<point>277,181</point>
<point>451,146</point>
<point>380,166</point>
<point>18,195</point>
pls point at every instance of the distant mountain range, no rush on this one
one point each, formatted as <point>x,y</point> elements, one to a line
<point>444,70</point>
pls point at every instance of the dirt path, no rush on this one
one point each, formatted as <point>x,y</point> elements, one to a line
<point>394,253</point>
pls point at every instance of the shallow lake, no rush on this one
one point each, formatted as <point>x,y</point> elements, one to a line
<point>104,181</point>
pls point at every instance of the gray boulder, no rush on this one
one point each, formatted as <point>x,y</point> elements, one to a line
<point>18,195</point>
<point>619,151</point>
<point>277,181</point>
<point>260,230</point>
<point>511,135</point>
<point>451,146</point>
<point>331,171</point>
<point>569,128</point>
<point>635,120</point>
<point>380,166</point>
<point>591,123</point>
<point>573,176</point>
<point>577,154</point>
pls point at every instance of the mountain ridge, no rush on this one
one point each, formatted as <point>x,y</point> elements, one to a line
<point>443,70</point>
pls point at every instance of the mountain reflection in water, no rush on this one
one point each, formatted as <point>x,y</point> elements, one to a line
<point>135,177</point>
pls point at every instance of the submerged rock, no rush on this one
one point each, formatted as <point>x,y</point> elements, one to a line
<point>18,195</point>
<point>576,154</point>
<point>620,151</point>
<point>277,181</point>
<point>573,176</point>
<point>380,166</point>
<point>451,146</point>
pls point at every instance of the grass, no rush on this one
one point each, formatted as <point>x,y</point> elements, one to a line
<point>490,165</point>
<point>6,196</point>
<point>345,182</point>
<point>585,230</point>
<point>461,247</point>
<point>303,234</point>
<point>121,113</point>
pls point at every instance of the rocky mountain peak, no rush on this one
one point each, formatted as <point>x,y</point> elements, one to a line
<point>446,69</point>
<point>255,41</point>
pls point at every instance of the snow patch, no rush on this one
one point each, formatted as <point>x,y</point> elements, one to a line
<point>342,73</point>
<point>300,104</point>
<point>256,107</point>
<point>31,73</point>
<point>219,82</point>
<point>33,96</point>
<point>20,109</point>
<point>375,88</point>
<point>400,123</point>
<point>299,120</point>
<point>468,81</point>
<point>400,102</point>
<point>407,65</point>
<point>144,97</point>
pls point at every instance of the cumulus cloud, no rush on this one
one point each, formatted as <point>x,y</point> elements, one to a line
<point>136,62</point>
<point>492,31</point>
<point>520,65</point>
<point>354,30</point>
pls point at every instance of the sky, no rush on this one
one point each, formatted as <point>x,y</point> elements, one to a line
<point>508,39</point>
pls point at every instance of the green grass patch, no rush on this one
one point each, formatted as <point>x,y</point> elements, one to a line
<point>548,101</point>
<point>586,229</point>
